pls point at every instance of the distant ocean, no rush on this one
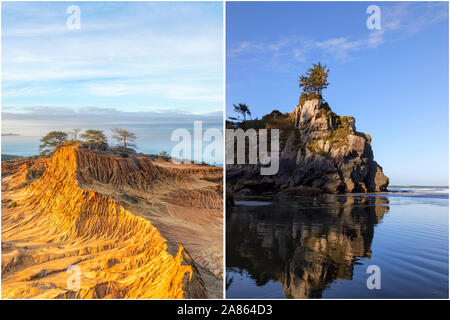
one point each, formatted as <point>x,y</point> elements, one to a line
<point>421,190</point>
<point>20,145</point>
<point>150,140</point>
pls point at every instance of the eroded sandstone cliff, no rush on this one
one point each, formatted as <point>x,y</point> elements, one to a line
<point>96,212</point>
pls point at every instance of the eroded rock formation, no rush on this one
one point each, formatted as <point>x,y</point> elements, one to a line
<point>318,149</point>
<point>118,222</point>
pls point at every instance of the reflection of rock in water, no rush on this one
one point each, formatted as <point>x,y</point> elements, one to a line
<point>303,245</point>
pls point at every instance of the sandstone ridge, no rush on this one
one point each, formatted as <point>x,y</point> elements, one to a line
<point>77,214</point>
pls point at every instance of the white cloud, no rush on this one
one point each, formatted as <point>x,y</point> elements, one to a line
<point>179,89</point>
<point>29,91</point>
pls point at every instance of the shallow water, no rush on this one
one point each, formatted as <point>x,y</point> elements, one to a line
<point>304,247</point>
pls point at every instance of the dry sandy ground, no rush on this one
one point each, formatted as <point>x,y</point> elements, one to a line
<point>133,227</point>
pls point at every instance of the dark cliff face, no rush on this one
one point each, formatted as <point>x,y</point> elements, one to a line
<point>318,149</point>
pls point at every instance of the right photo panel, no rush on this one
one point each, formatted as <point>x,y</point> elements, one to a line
<point>337,150</point>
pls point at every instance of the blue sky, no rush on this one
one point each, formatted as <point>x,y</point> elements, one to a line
<point>138,65</point>
<point>394,80</point>
<point>132,56</point>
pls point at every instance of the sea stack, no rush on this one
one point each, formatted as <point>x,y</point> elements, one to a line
<point>319,152</point>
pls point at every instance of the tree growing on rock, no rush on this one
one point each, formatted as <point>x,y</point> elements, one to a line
<point>126,139</point>
<point>52,141</point>
<point>243,110</point>
<point>314,80</point>
<point>95,139</point>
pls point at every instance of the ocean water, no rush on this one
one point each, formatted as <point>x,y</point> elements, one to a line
<point>20,145</point>
<point>150,139</point>
<point>327,247</point>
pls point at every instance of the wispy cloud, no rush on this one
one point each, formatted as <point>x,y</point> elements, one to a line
<point>342,47</point>
<point>171,88</point>
<point>157,50</point>
<point>398,21</point>
<point>29,91</point>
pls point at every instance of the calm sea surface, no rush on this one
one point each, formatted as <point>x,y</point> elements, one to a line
<point>150,139</point>
<point>304,247</point>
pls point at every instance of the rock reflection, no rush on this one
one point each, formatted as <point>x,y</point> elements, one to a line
<point>303,243</point>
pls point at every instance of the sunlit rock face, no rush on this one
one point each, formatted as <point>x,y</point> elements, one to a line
<point>95,212</point>
<point>318,149</point>
<point>304,247</point>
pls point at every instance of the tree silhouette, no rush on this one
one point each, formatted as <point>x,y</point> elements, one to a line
<point>124,137</point>
<point>74,133</point>
<point>52,141</point>
<point>95,139</point>
<point>242,109</point>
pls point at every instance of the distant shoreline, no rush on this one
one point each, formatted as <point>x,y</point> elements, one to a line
<point>10,134</point>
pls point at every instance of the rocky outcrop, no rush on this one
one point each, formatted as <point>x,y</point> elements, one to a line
<point>318,149</point>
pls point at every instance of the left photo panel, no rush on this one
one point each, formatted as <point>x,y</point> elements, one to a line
<point>112,150</point>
